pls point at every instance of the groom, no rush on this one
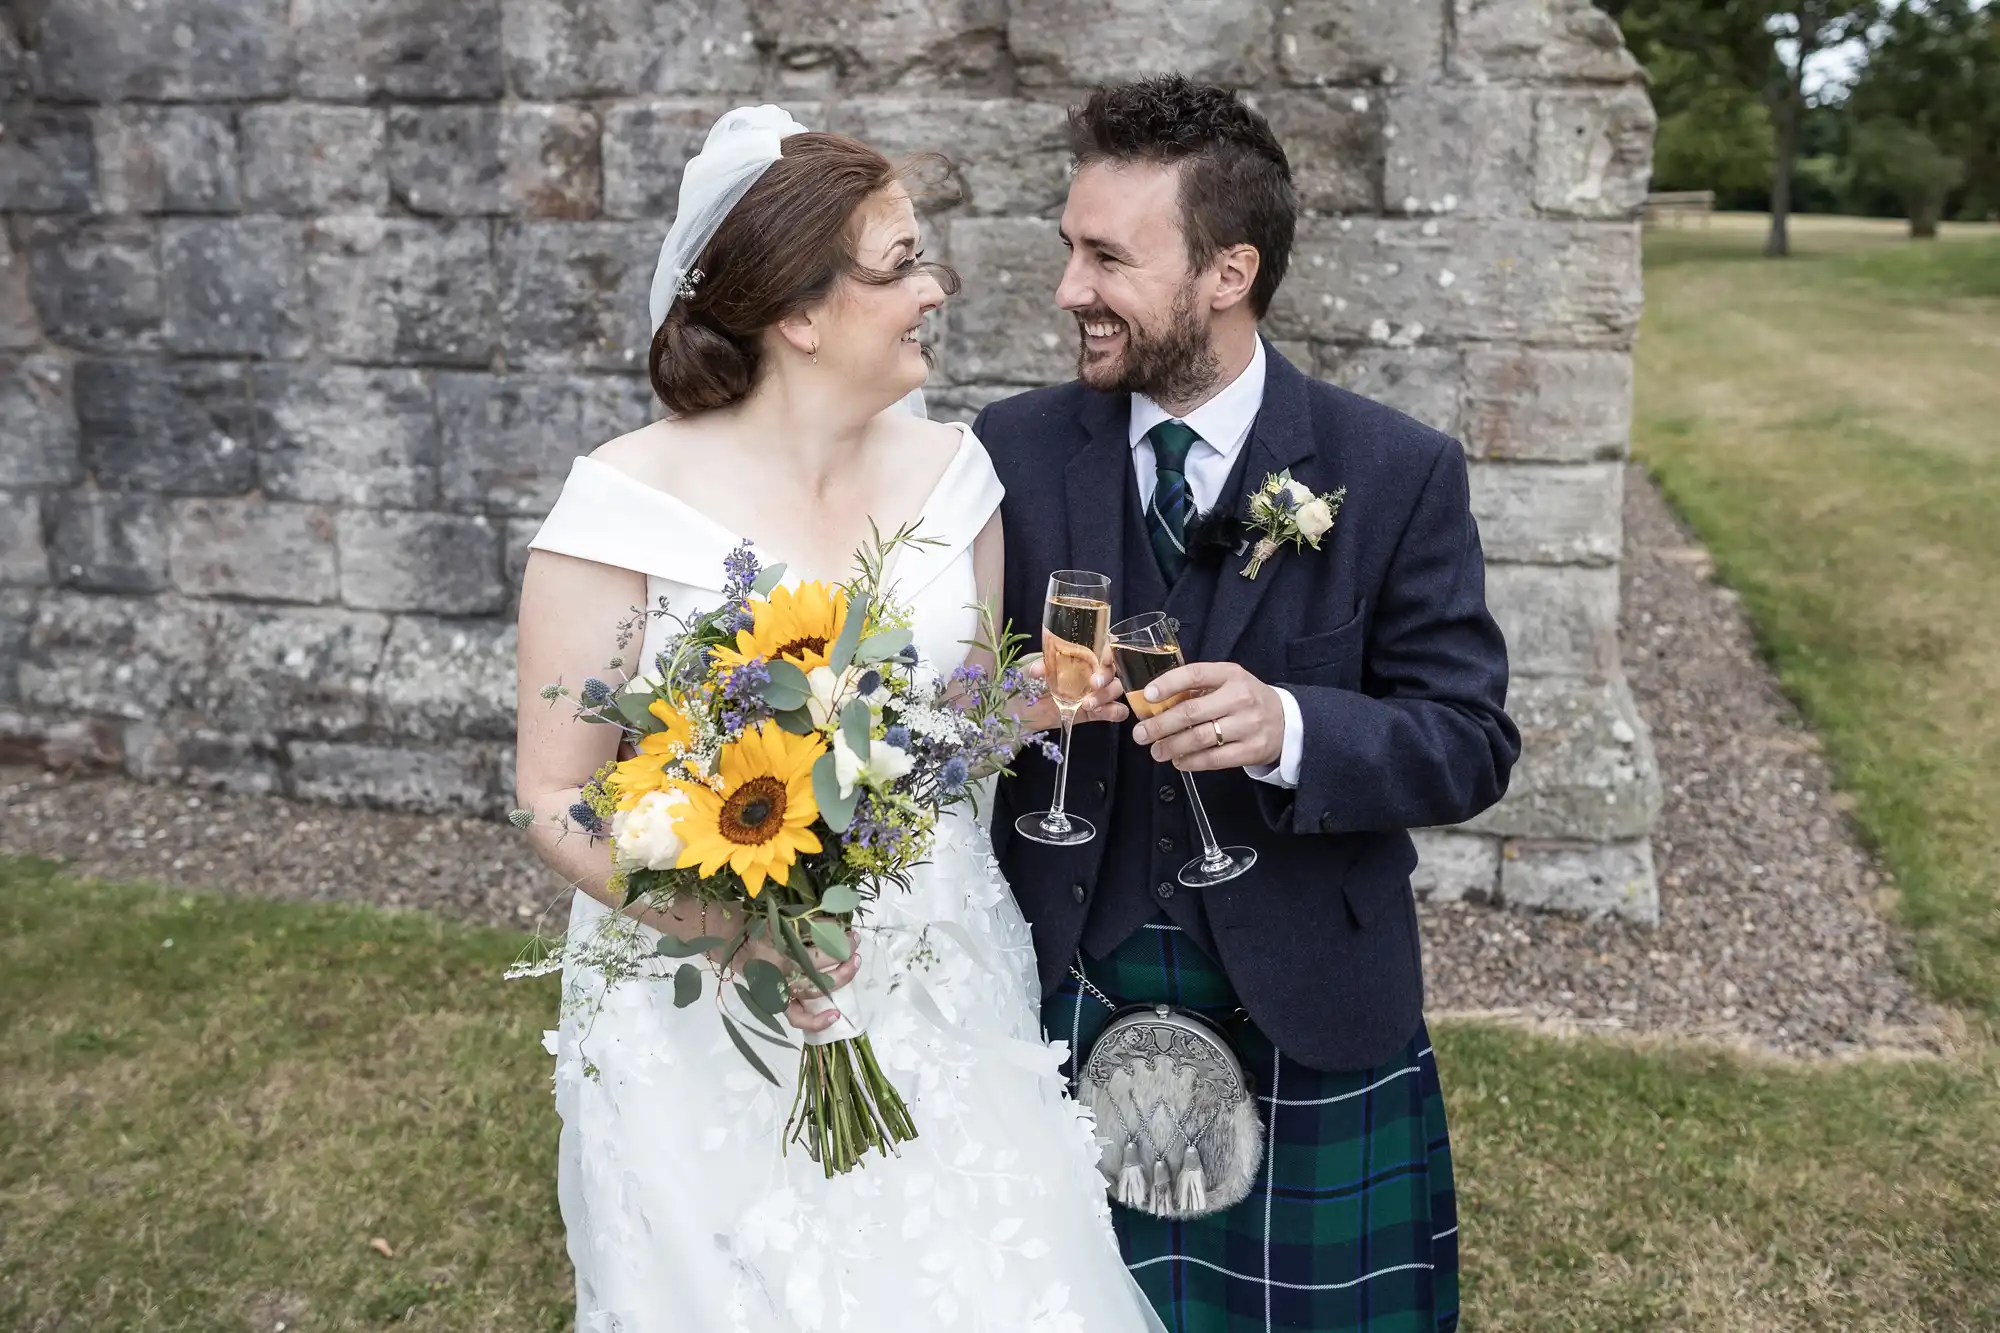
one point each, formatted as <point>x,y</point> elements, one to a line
<point>1345,695</point>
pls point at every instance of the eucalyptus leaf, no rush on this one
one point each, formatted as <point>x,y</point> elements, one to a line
<point>881,647</point>
<point>673,946</point>
<point>795,949</point>
<point>769,579</point>
<point>842,655</point>
<point>832,940</point>
<point>835,809</point>
<point>797,721</point>
<point>789,675</point>
<point>781,700</point>
<point>840,899</point>
<point>756,1011</point>
<point>767,985</point>
<point>855,721</point>
<point>633,706</point>
<point>687,985</point>
<point>756,1061</point>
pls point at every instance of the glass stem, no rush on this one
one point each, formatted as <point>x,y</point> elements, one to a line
<point>1057,821</point>
<point>1211,853</point>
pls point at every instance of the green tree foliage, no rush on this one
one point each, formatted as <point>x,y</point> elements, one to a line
<point>1925,110</point>
<point>1908,162</point>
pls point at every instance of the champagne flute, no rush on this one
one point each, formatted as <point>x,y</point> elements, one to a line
<point>1075,621</point>
<point>1147,647</point>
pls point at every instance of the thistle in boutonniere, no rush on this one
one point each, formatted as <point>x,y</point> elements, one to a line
<point>1283,511</point>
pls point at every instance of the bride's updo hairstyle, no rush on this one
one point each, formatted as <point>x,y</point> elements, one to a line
<point>785,245</point>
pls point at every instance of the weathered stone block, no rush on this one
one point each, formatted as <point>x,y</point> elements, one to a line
<point>1455,867</point>
<point>388,290</point>
<point>106,542</point>
<point>530,160</point>
<point>165,159</point>
<point>282,671</point>
<point>1594,152</point>
<point>1548,405</point>
<point>303,158</point>
<point>1587,769</point>
<point>13,65</point>
<point>38,434</point>
<point>1401,283</point>
<point>19,325</point>
<point>1356,41</point>
<point>509,440</point>
<point>446,564</point>
<point>345,435</point>
<point>364,50</point>
<point>1005,325</point>
<point>963,402</point>
<point>1614,879</point>
<point>647,145</point>
<point>1559,620</point>
<point>447,679</point>
<point>1007,156</point>
<point>441,779</point>
<point>24,558</point>
<point>562,49</point>
<point>573,295</point>
<point>1538,514</point>
<point>255,549</point>
<point>47,163</point>
<point>18,608</point>
<point>234,287</point>
<point>1335,143</point>
<point>165,51</point>
<point>96,283</point>
<point>180,428</point>
<point>1537,39</point>
<point>1422,382</point>
<point>191,755</point>
<point>1462,151</point>
<point>871,45</point>
<point>115,656</point>
<point>1072,43</point>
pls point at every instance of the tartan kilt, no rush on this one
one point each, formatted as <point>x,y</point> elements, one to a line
<point>1352,1224</point>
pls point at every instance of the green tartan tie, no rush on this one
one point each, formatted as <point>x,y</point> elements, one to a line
<point>1172,506</point>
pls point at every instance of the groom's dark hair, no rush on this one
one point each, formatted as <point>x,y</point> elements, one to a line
<point>1236,184</point>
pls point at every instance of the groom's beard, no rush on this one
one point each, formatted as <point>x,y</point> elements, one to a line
<point>1176,365</point>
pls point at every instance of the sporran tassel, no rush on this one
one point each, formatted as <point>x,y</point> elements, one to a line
<point>1131,1178</point>
<point>1162,1202</point>
<point>1191,1188</point>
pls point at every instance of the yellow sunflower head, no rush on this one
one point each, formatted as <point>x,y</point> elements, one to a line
<point>798,625</point>
<point>760,820</point>
<point>646,771</point>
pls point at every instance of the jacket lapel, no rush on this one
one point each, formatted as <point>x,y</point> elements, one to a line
<point>1094,486</point>
<point>1280,438</point>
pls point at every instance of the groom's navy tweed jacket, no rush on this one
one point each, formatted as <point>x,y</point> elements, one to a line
<point>1383,637</point>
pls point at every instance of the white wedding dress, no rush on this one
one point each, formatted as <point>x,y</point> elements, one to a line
<point>684,1213</point>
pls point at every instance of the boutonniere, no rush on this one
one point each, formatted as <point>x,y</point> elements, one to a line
<point>1283,511</point>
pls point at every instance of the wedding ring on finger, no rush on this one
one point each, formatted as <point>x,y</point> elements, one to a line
<point>1216,724</point>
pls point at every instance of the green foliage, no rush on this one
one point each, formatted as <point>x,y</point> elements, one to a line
<point>1909,164</point>
<point>1722,143</point>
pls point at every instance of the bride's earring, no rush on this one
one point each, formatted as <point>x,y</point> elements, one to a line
<point>815,355</point>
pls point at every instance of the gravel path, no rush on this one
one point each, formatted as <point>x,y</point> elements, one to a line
<point>1767,935</point>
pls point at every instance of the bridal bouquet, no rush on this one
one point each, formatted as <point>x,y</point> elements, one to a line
<point>791,754</point>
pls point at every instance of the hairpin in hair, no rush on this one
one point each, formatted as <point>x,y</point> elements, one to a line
<point>688,282</point>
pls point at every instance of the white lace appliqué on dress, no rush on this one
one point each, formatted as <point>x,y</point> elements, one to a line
<point>683,1213</point>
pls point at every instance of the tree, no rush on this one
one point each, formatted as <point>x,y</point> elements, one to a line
<point>1926,108</point>
<point>1763,48</point>
<point>1908,163</point>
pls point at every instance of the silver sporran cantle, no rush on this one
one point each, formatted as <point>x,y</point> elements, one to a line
<point>1176,1116</point>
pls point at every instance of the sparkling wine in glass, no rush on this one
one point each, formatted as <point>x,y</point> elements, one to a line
<point>1147,647</point>
<point>1075,625</point>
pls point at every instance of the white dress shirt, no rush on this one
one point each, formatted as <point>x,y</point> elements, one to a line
<point>1223,422</point>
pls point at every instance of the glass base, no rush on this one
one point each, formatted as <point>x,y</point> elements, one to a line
<point>1229,863</point>
<point>1041,828</point>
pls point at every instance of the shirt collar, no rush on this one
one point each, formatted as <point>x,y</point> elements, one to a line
<point>1224,421</point>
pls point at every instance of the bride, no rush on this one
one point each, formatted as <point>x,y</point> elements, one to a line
<point>788,307</point>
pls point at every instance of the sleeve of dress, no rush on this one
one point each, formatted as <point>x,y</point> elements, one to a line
<point>606,516</point>
<point>966,496</point>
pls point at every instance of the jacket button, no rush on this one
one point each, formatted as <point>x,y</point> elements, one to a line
<point>1101,789</point>
<point>1167,795</point>
<point>1165,889</point>
<point>1326,823</point>
<point>1076,892</point>
<point>1166,844</point>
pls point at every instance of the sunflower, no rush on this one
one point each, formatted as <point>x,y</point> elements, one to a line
<point>798,625</point>
<point>760,820</point>
<point>646,771</point>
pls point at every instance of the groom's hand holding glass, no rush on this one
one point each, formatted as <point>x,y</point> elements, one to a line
<point>1227,719</point>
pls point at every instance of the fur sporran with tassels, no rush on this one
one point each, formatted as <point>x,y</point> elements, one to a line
<point>1176,1116</point>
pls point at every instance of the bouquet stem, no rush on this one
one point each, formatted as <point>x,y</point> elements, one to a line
<point>846,1106</point>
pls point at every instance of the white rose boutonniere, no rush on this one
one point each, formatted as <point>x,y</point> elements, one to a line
<point>1284,510</point>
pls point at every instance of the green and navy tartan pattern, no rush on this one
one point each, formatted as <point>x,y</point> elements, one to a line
<point>1353,1223</point>
<point>1172,505</point>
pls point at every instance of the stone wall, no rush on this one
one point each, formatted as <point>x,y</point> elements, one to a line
<point>305,306</point>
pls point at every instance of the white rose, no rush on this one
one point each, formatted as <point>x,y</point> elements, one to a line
<point>828,688</point>
<point>644,836</point>
<point>1301,493</point>
<point>1314,518</point>
<point>884,765</point>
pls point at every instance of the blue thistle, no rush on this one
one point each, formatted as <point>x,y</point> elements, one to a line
<point>585,818</point>
<point>955,775</point>
<point>595,692</point>
<point>898,736</point>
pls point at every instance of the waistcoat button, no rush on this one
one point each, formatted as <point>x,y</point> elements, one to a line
<point>1166,844</point>
<point>1076,892</point>
<point>1167,795</point>
<point>1166,888</point>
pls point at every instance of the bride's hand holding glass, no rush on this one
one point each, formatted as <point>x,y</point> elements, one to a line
<point>1104,703</point>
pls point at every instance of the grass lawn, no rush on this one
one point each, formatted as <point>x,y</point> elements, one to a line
<point>207,1135</point>
<point>1830,425</point>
